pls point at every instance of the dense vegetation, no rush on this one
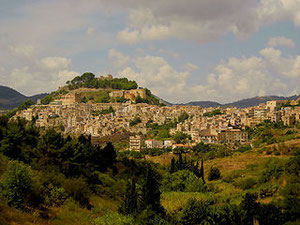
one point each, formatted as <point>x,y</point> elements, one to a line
<point>89,80</point>
<point>52,179</point>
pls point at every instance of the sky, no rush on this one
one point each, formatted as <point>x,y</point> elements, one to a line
<point>182,50</point>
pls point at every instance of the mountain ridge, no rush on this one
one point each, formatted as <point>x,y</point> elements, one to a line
<point>243,103</point>
<point>10,98</point>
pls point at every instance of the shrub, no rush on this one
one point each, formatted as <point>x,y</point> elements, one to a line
<point>56,197</point>
<point>17,184</point>
<point>247,183</point>
<point>183,180</point>
<point>214,174</point>
<point>113,218</point>
<point>78,189</point>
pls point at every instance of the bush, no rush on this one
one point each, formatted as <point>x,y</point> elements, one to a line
<point>113,218</point>
<point>17,184</point>
<point>247,183</point>
<point>78,189</point>
<point>183,180</point>
<point>214,174</point>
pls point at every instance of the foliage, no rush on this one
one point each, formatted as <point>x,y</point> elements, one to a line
<point>135,121</point>
<point>183,180</point>
<point>213,113</point>
<point>130,205</point>
<point>17,184</point>
<point>89,80</point>
<point>214,174</point>
<point>180,137</point>
<point>249,208</point>
<point>184,116</point>
<point>103,112</point>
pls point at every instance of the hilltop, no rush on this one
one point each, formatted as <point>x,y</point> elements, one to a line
<point>10,98</point>
<point>92,89</point>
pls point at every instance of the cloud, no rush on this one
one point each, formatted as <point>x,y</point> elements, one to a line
<point>230,80</point>
<point>281,41</point>
<point>202,21</point>
<point>117,59</point>
<point>157,74</point>
<point>22,50</point>
<point>190,67</point>
<point>44,75</point>
<point>55,63</point>
<point>284,66</point>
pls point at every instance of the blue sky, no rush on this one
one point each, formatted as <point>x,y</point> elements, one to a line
<point>181,50</point>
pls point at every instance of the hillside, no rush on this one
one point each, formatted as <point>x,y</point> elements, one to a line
<point>244,103</point>
<point>107,89</point>
<point>10,98</point>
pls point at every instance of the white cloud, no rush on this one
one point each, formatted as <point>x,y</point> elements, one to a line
<point>285,66</point>
<point>44,75</point>
<point>117,59</point>
<point>55,63</point>
<point>190,67</point>
<point>231,80</point>
<point>90,31</point>
<point>281,41</point>
<point>156,74</point>
<point>22,50</point>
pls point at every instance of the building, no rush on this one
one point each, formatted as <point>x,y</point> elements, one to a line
<point>70,99</point>
<point>154,143</point>
<point>289,119</point>
<point>233,136</point>
<point>260,113</point>
<point>129,94</point>
<point>135,143</point>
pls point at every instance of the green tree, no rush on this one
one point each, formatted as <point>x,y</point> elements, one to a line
<point>214,174</point>
<point>17,184</point>
<point>249,208</point>
<point>150,192</point>
<point>129,205</point>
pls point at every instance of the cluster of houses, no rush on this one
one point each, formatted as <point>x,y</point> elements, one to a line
<point>74,117</point>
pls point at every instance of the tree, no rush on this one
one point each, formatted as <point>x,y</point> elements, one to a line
<point>195,212</point>
<point>214,174</point>
<point>202,171</point>
<point>172,168</point>
<point>180,137</point>
<point>17,184</point>
<point>249,208</point>
<point>150,192</point>
<point>109,154</point>
<point>129,205</point>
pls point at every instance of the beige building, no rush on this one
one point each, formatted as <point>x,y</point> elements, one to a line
<point>135,143</point>
<point>129,94</point>
<point>233,136</point>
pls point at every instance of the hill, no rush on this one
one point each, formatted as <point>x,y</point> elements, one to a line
<point>10,98</point>
<point>244,103</point>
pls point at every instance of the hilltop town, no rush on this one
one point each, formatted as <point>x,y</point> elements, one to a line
<point>129,111</point>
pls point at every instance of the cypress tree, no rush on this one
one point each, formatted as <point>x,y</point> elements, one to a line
<point>180,162</point>
<point>202,171</point>
<point>129,205</point>
<point>172,169</point>
<point>150,192</point>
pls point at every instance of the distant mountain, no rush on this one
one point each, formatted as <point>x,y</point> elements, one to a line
<point>245,103</point>
<point>204,104</point>
<point>10,98</point>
